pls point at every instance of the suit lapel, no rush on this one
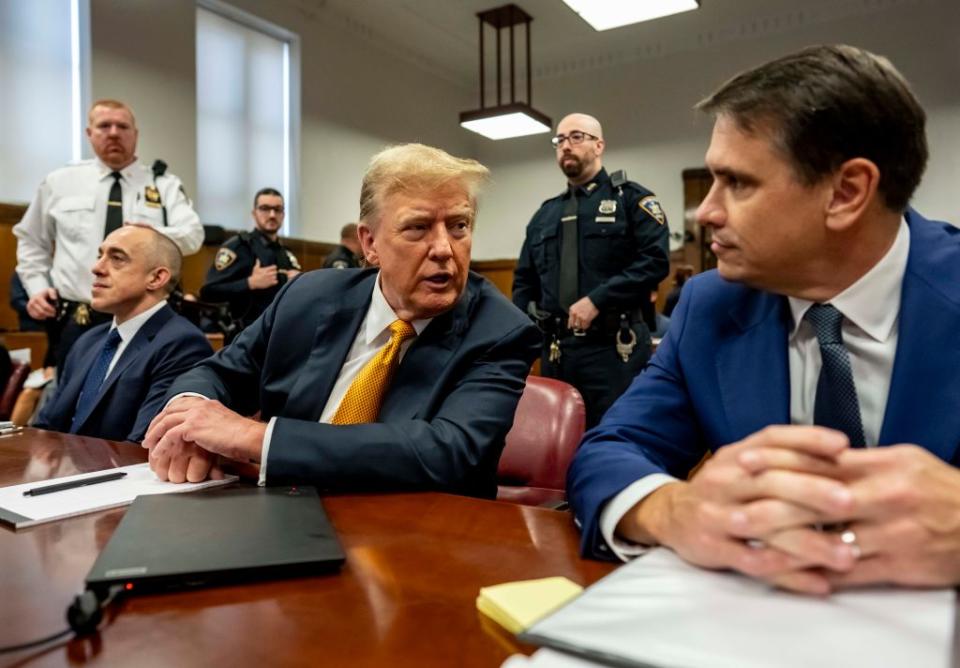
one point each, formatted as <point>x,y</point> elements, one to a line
<point>752,370</point>
<point>332,340</point>
<point>924,386</point>
<point>134,349</point>
<point>425,361</point>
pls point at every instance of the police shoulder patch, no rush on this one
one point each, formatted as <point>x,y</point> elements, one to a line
<point>225,257</point>
<point>651,205</point>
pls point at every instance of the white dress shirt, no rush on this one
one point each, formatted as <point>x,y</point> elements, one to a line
<point>871,308</point>
<point>127,330</point>
<point>58,236</point>
<point>373,335</point>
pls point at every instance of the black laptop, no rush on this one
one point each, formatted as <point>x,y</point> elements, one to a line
<point>220,536</point>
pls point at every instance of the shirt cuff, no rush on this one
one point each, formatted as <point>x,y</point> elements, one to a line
<point>265,451</point>
<point>620,505</point>
<point>183,394</point>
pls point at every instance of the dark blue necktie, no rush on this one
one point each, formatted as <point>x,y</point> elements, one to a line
<point>94,379</point>
<point>836,404</point>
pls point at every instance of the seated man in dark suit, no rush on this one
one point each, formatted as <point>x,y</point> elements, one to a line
<point>117,374</point>
<point>822,347</point>
<point>402,376</point>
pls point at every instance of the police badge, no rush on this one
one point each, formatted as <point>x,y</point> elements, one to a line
<point>151,196</point>
<point>608,206</point>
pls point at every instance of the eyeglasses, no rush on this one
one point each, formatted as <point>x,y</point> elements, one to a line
<point>266,208</point>
<point>576,137</point>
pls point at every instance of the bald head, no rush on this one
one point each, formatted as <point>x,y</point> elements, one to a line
<point>582,122</point>
<point>579,142</point>
<point>137,268</point>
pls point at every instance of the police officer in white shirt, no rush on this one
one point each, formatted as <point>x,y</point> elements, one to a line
<point>77,206</point>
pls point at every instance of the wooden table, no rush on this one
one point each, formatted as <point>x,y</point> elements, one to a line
<point>406,596</point>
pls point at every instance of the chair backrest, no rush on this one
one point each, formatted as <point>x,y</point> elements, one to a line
<point>539,447</point>
<point>18,375</point>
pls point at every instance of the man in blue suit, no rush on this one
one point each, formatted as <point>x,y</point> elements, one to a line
<point>827,330</point>
<point>404,376</point>
<point>117,374</point>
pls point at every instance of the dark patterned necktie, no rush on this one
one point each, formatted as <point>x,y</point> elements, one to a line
<point>95,378</point>
<point>114,206</point>
<point>836,404</point>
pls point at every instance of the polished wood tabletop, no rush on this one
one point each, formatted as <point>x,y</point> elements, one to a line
<point>405,597</point>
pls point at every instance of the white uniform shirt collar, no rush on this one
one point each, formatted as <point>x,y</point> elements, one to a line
<point>129,328</point>
<point>106,170</point>
<point>380,316</point>
<point>872,303</point>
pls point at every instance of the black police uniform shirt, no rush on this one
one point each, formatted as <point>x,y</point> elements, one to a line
<point>623,248</point>
<point>227,279</point>
<point>341,257</point>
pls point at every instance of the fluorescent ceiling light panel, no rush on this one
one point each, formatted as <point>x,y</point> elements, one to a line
<point>505,126</point>
<point>607,14</point>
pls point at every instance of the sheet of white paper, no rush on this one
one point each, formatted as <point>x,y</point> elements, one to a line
<point>658,610</point>
<point>100,496</point>
<point>21,355</point>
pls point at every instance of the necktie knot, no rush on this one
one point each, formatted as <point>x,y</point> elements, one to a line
<point>113,340</point>
<point>826,321</point>
<point>116,175</point>
<point>401,330</point>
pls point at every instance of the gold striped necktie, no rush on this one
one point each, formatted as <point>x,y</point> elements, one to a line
<point>362,401</point>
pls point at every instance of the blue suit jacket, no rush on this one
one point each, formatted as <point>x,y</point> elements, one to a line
<point>722,373</point>
<point>163,348</point>
<point>443,419</point>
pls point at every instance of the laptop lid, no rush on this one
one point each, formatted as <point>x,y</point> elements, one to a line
<point>221,536</point>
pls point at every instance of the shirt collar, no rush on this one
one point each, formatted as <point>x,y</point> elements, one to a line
<point>129,328</point>
<point>105,170</point>
<point>380,316</point>
<point>872,303</point>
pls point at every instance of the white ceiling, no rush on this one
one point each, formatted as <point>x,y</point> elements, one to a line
<point>442,35</point>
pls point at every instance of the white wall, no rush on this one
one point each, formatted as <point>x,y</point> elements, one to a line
<point>651,131</point>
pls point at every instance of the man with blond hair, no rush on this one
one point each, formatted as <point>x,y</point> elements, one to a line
<point>405,375</point>
<point>77,206</point>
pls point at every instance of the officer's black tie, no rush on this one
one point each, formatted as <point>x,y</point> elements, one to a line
<point>836,404</point>
<point>114,206</point>
<point>569,254</point>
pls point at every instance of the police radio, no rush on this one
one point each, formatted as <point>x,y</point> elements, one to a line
<point>159,169</point>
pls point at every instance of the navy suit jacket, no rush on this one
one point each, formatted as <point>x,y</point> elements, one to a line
<point>163,348</point>
<point>443,418</point>
<point>722,374</point>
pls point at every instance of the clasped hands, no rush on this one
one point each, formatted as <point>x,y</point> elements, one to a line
<point>188,438</point>
<point>757,506</point>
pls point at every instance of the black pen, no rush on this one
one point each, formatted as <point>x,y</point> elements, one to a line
<point>49,489</point>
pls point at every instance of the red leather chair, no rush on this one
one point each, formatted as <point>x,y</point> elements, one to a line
<point>18,375</point>
<point>539,447</point>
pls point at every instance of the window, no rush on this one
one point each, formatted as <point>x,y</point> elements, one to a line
<point>44,47</point>
<point>246,119</point>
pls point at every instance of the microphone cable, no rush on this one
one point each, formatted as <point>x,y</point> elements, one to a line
<point>83,616</point>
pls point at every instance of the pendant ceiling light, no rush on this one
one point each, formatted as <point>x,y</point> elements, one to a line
<point>513,118</point>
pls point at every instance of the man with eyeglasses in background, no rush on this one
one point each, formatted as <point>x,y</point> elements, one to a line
<point>591,257</point>
<point>251,267</point>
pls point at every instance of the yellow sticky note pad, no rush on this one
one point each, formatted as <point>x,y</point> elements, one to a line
<point>517,605</point>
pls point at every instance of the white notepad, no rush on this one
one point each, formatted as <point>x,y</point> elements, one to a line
<point>660,611</point>
<point>21,511</point>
